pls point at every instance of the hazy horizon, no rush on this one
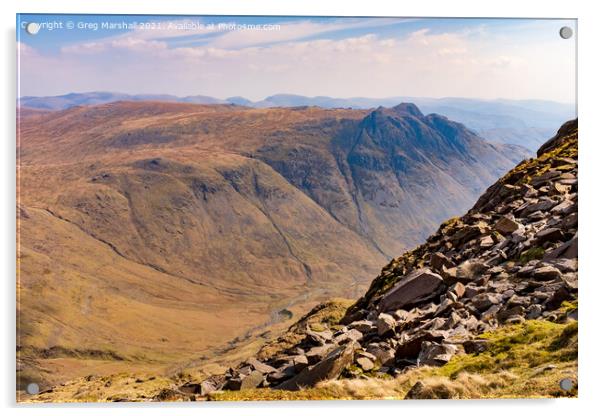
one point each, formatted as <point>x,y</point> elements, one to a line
<point>300,95</point>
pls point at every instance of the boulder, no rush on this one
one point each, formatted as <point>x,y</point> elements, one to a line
<point>490,314</point>
<point>211,384</point>
<point>453,321</point>
<point>534,311</point>
<point>283,373</point>
<point>542,205</point>
<point>475,346</point>
<point>385,323</point>
<point>364,326</point>
<point>283,360</point>
<point>190,388</point>
<point>506,225</point>
<point>300,362</point>
<point>440,260</point>
<point>327,369</point>
<point>352,335</point>
<point>318,338</point>
<point>507,313</point>
<point>546,273</point>
<point>567,250</point>
<point>417,392</point>
<point>365,363</point>
<point>515,300</point>
<point>317,354</point>
<point>411,347</point>
<point>471,323</point>
<point>470,270</point>
<point>570,221</point>
<point>444,307</point>
<point>551,234</point>
<point>252,381</point>
<point>434,324</point>
<point>486,242</point>
<point>384,354</point>
<point>565,207</point>
<point>457,289</point>
<point>416,287</point>
<point>449,275</point>
<point>259,366</point>
<point>483,301</point>
<point>233,383</point>
<point>468,233</point>
<point>245,370</point>
<point>555,300</point>
<point>400,315</point>
<point>545,177</point>
<point>559,189</point>
<point>564,265</point>
<point>526,270</point>
<point>471,291</point>
<point>434,354</point>
<point>364,353</point>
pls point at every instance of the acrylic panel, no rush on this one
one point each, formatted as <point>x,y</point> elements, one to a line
<point>224,208</point>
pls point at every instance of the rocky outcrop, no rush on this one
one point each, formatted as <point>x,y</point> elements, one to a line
<point>512,257</point>
<point>328,368</point>
<point>415,288</point>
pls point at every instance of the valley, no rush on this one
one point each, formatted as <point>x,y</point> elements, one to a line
<point>158,236</point>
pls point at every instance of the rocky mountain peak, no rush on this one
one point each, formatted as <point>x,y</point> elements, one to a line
<point>405,133</point>
<point>408,108</point>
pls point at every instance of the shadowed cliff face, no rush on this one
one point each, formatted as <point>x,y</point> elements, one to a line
<point>394,174</point>
<point>208,214</point>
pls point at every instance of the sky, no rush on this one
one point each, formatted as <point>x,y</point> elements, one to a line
<point>255,57</point>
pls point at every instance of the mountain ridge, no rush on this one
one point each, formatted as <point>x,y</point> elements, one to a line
<point>523,122</point>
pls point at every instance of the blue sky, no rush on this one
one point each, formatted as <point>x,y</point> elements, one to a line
<point>255,57</point>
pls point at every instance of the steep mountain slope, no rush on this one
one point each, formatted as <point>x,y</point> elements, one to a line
<point>392,176</point>
<point>490,298</point>
<point>210,213</point>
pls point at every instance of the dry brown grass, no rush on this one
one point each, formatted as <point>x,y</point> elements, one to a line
<point>127,264</point>
<point>117,258</point>
<point>522,361</point>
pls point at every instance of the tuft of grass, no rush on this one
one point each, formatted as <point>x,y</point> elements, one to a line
<point>566,339</point>
<point>518,347</point>
<point>534,253</point>
<point>568,306</point>
<point>318,327</point>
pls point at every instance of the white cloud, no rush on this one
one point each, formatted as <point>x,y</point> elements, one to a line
<point>24,50</point>
<point>293,31</point>
<point>422,63</point>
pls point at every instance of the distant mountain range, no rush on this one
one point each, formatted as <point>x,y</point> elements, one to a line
<point>523,122</point>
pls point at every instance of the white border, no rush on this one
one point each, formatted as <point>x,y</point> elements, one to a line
<point>590,114</point>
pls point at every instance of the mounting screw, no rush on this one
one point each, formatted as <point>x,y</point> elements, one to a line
<point>566,32</point>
